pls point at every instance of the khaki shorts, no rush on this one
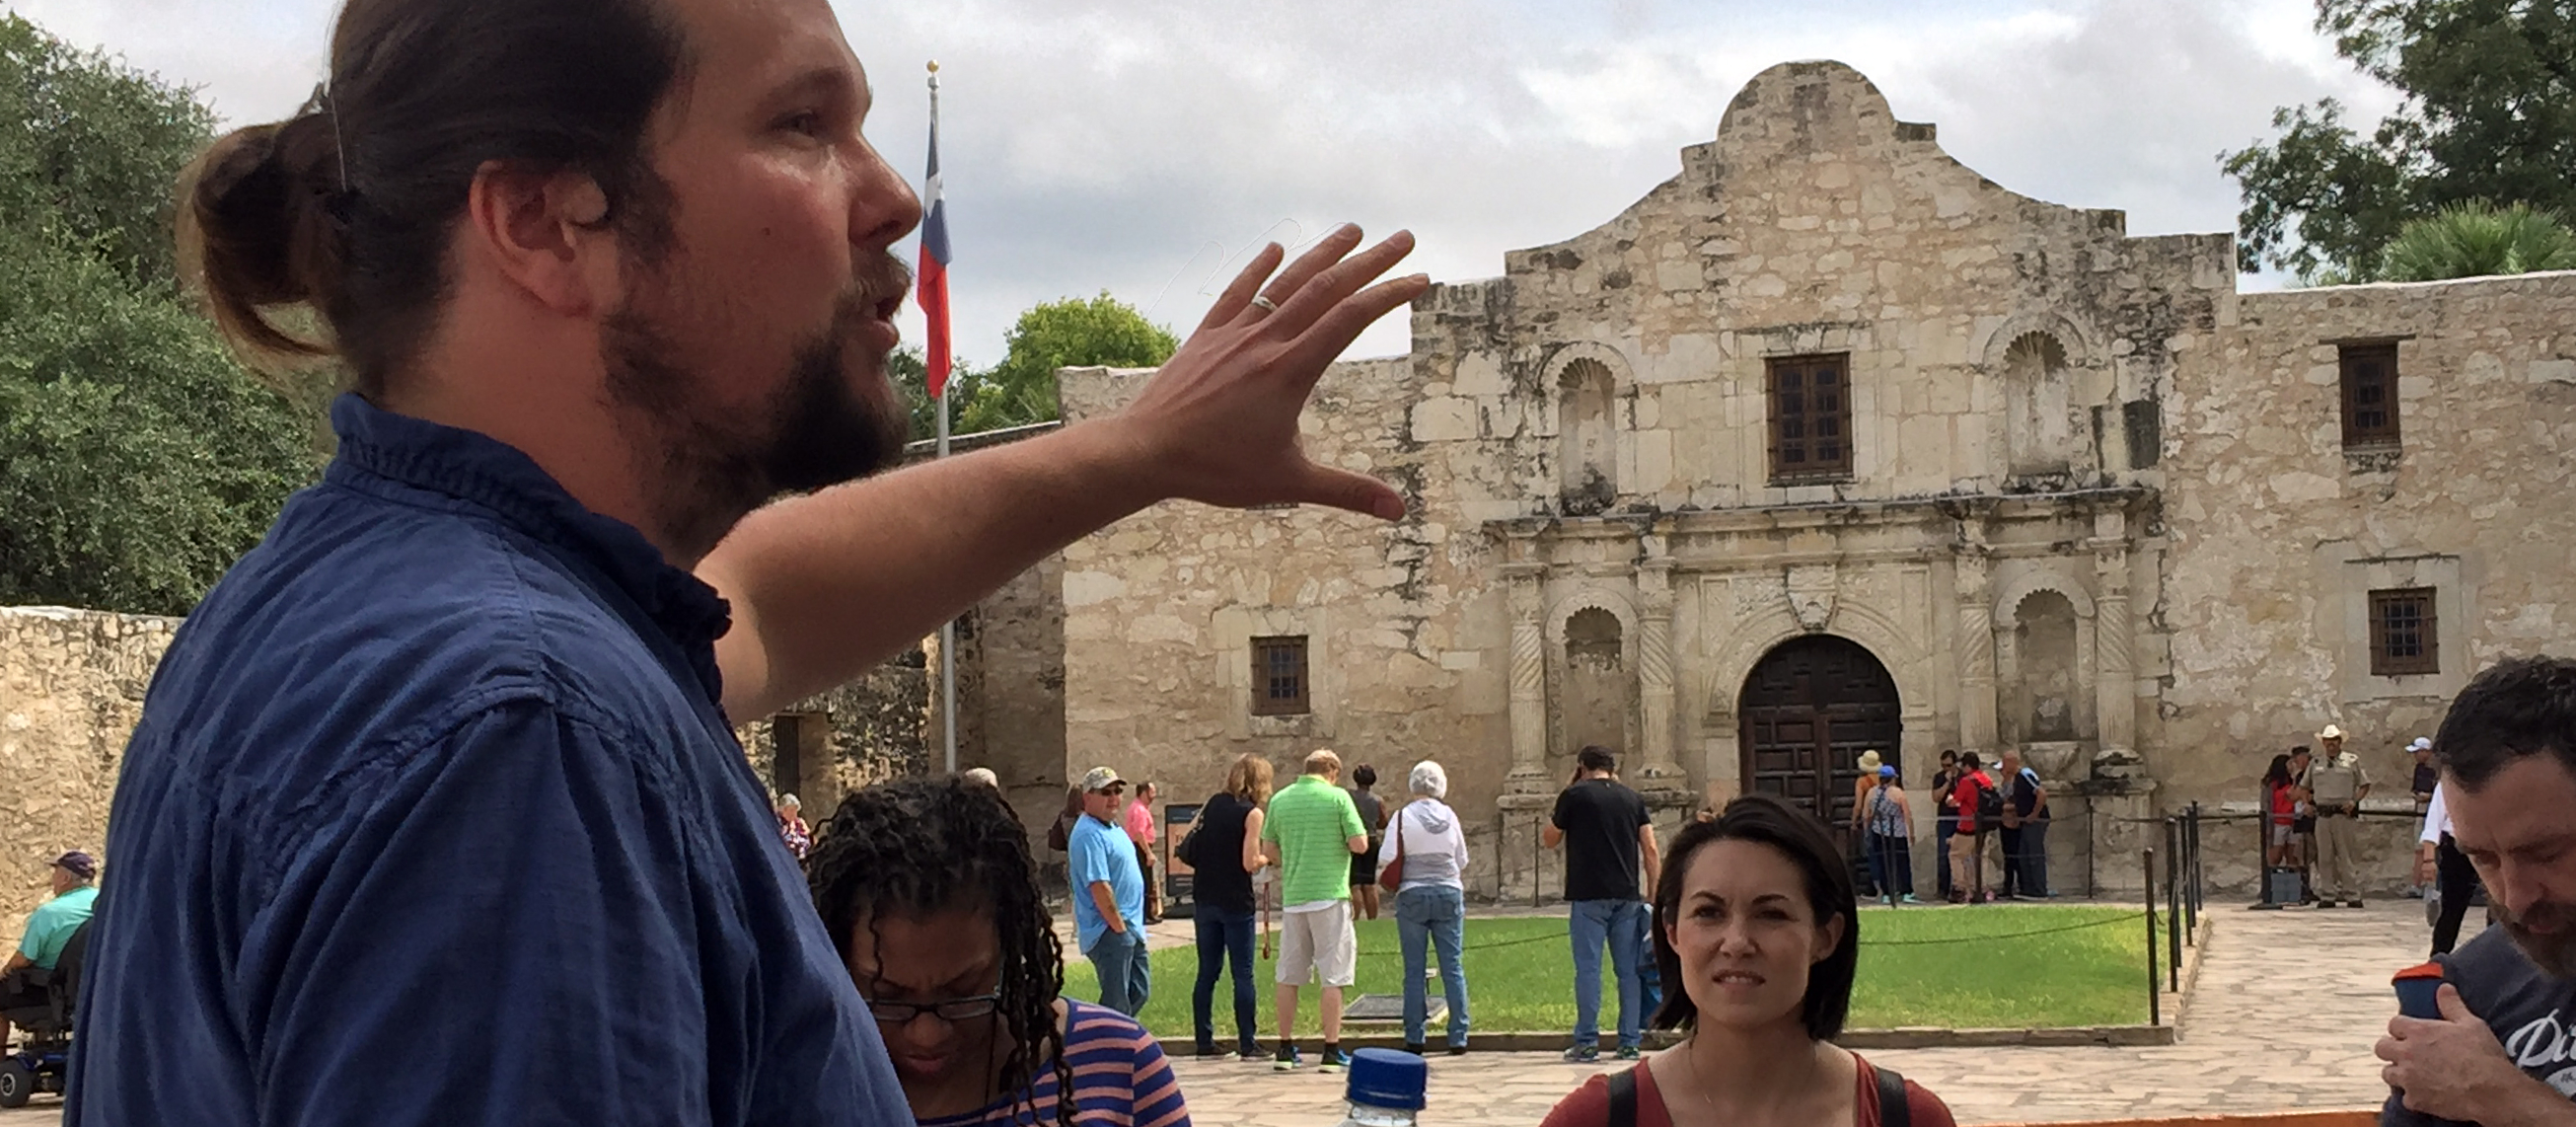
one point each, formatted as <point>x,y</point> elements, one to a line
<point>1318,943</point>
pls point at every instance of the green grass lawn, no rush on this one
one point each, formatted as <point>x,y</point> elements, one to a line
<point>1953,967</point>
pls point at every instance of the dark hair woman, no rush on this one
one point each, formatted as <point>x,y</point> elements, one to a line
<point>2280,808</point>
<point>1759,927</point>
<point>928,890</point>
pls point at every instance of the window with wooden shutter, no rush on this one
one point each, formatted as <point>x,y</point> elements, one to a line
<point>1279,676</point>
<point>2369,394</point>
<point>1810,418</point>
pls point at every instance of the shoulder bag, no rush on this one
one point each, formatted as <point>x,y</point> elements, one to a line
<point>1390,876</point>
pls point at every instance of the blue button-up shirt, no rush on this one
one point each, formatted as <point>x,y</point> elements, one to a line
<point>434,817</point>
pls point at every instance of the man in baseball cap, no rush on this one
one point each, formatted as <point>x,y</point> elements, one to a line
<point>1109,894</point>
<point>75,877</point>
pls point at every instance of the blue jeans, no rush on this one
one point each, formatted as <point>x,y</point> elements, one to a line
<point>1126,980</point>
<point>1225,943</point>
<point>2026,859</point>
<point>1435,913</point>
<point>1621,924</point>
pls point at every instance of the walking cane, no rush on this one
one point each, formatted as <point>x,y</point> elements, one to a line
<point>1265,921</point>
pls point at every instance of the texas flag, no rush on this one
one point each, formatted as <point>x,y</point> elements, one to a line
<point>934,264</point>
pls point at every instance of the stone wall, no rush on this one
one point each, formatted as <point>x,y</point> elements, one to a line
<point>1161,610</point>
<point>867,731</point>
<point>2280,533</point>
<point>71,691</point>
<point>1010,694</point>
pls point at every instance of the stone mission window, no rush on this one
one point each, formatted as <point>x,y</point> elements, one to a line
<point>1279,676</point>
<point>2403,640</point>
<point>2369,394</point>
<point>1810,418</point>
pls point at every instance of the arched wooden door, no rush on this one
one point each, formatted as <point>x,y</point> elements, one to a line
<point>1810,708</point>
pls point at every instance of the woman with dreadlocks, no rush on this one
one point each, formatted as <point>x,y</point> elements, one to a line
<point>930,894</point>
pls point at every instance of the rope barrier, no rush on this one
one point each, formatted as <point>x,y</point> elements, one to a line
<point>1566,936</point>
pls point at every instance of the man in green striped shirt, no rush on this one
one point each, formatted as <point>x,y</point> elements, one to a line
<point>1312,830</point>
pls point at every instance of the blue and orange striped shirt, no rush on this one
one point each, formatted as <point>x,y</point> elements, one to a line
<point>1120,1079</point>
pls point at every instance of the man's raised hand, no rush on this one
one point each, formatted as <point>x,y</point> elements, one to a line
<point>1218,424</point>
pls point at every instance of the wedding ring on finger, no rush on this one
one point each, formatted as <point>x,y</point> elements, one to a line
<point>1263,303</point>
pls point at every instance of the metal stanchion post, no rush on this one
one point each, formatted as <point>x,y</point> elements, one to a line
<point>2199,872</point>
<point>2173,902</point>
<point>2155,1004</point>
<point>2191,876</point>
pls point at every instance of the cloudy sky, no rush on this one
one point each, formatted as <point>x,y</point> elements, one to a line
<point>1135,146</point>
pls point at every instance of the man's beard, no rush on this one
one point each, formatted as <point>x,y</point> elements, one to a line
<point>817,430</point>
<point>2554,953</point>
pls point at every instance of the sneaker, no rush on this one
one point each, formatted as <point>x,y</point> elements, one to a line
<point>2352,903</point>
<point>1287,1060</point>
<point>1458,1050</point>
<point>1582,1054</point>
<point>1334,1060</point>
<point>1627,1052</point>
<point>1908,898</point>
<point>1250,1050</point>
<point>1418,1050</point>
<point>1207,1050</point>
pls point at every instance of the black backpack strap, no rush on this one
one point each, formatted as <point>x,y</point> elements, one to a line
<point>1892,1111</point>
<point>1623,1098</point>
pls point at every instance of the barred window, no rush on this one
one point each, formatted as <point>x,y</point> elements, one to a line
<point>2403,638</point>
<point>1279,676</point>
<point>2369,394</point>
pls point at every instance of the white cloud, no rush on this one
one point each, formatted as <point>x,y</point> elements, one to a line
<point>1129,145</point>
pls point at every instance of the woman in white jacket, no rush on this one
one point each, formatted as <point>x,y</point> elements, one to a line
<point>1431,904</point>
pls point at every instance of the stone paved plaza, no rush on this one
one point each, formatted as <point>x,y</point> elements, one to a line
<point>2283,1017</point>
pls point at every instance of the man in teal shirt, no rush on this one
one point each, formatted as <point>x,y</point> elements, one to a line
<point>1312,830</point>
<point>48,929</point>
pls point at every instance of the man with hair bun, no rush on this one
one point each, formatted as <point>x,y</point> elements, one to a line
<point>435,811</point>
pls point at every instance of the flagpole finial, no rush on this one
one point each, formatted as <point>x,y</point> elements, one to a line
<point>934,66</point>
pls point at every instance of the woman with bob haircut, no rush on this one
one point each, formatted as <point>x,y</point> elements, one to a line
<point>1757,937</point>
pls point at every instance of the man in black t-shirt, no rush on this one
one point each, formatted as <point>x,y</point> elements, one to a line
<point>2499,1053</point>
<point>1607,836</point>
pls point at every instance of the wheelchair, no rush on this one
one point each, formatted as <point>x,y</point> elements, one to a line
<point>39,1063</point>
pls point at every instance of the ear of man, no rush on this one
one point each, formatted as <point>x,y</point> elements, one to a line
<point>545,236</point>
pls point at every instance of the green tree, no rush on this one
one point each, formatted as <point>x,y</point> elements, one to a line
<point>94,148</point>
<point>1070,333</point>
<point>137,459</point>
<point>2489,115</point>
<point>2479,241</point>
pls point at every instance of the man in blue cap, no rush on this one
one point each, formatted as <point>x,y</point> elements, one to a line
<point>49,927</point>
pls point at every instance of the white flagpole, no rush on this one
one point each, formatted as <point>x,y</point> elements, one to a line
<point>948,629</point>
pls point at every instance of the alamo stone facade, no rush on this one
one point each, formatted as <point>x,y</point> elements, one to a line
<point>1830,444</point>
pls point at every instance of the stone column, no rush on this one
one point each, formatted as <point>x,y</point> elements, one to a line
<point>1976,644</point>
<point>1529,679</point>
<point>2115,689</point>
<point>1655,670</point>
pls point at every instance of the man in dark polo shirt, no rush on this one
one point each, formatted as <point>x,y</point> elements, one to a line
<point>1607,834</point>
<point>435,812</point>
<point>2501,1054</point>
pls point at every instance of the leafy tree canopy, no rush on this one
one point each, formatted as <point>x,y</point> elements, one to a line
<point>137,460</point>
<point>2489,116</point>
<point>1020,390</point>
